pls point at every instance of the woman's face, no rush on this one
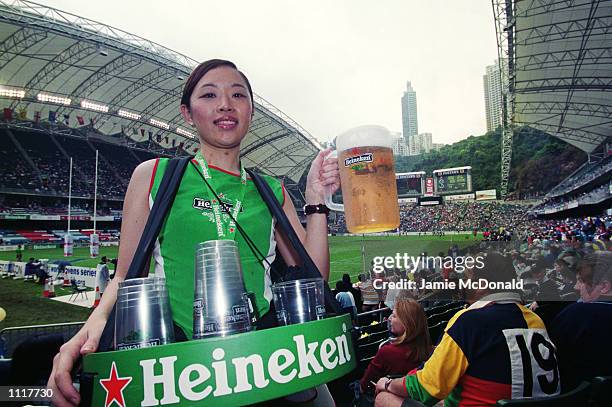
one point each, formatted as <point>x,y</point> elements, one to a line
<point>396,326</point>
<point>220,108</point>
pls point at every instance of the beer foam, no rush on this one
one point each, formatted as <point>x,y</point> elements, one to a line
<point>363,136</point>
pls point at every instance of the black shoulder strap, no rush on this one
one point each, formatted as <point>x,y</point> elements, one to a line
<point>310,268</point>
<point>163,201</point>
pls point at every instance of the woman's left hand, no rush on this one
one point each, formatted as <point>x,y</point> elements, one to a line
<point>323,178</point>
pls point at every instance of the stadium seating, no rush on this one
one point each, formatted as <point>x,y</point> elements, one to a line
<point>52,166</point>
<point>582,176</point>
<point>39,236</point>
<point>441,308</point>
<point>454,216</point>
<point>16,173</point>
<point>371,329</point>
<point>367,351</point>
<point>443,316</point>
<point>104,236</point>
<point>602,391</point>
<point>577,397</point>
<point>11,237</point>
<point>436,331</point>
<point>50,156</point>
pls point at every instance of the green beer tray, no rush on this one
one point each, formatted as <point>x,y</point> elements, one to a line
<point>230,371</point>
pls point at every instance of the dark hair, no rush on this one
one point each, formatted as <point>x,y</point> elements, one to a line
<point>595,268</point>
<point>202,70</point>
<point>497,268</point>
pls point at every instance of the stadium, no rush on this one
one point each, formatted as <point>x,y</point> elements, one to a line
<point>85,103</point>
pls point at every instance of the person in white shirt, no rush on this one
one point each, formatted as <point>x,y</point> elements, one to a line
<point>102,274</point>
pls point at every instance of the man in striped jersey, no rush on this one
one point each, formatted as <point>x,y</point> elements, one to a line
<point>495,349</point>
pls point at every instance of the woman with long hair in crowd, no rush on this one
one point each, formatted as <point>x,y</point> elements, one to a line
<point>410,347</point>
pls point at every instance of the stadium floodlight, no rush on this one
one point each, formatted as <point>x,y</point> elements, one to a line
<point>185,133</point>
<point>44,97</point>
<point>85,104</point>
<point>12,92</point>
<point>128,115</point>
<point>159,123</point>
<point>102,51</point>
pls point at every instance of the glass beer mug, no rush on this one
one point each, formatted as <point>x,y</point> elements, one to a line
<point>367,175</point>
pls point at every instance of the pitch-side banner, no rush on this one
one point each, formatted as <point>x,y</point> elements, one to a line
<point>82,275</point>
<point>486,195</point>
<point>8,248</point>
<point>460,197</point>
<point>231,371</point>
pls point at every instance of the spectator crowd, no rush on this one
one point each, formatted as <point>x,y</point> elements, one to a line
<point>566,298</point>
<point>45,167</point>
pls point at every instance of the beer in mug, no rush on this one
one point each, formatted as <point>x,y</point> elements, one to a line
<point>367,175</point>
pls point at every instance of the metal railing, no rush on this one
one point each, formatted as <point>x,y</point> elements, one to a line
<point>11,338</point>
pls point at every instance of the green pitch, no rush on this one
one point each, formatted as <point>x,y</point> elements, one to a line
<point>345,251</point>
<point>80,256</point>
<point>20,298</point>
<point>347,256</point>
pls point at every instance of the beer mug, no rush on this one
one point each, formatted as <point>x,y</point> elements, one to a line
<point>367,175</point>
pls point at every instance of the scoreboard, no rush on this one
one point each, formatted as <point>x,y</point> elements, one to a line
<point>453,180</point>
<point>410,184</point>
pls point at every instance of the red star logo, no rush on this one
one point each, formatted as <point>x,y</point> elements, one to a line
<point>221,195</point>
<point>114,387</point>
<point>214,201</point>
<point>232,230</point>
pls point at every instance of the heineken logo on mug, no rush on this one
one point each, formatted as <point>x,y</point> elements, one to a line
<point>363,158</point>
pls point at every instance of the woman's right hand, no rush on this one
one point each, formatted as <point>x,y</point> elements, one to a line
<point>84,342</point>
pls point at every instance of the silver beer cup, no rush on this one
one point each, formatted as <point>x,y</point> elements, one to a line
<point>221,305</point>
<point>298,301</point>
<point>143,316</point>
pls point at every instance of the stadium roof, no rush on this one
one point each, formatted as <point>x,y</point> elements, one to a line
<point>64,56</point>
<point>561,72</point>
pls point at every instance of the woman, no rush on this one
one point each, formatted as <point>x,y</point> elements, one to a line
<point>407,351</point>
<point>218,102</point>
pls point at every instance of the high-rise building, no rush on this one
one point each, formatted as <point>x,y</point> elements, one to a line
<point>410,125</point>
<point>437,146</point>
<point>399,144</point>
<point>420,143</point>
<point>493,95</point>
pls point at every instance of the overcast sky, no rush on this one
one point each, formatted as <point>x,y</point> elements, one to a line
<point>332,64</point>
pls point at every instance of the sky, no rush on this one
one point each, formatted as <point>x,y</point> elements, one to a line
<point>332,64</point>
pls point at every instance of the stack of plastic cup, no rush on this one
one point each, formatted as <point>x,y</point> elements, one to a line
<point>221,305</point>
<point>298,301</point>
<point>143,316</point>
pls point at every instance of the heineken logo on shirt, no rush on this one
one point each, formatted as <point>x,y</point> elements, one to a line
<point>206,204</point>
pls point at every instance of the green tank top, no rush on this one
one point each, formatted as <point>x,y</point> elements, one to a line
<point>191,221</point>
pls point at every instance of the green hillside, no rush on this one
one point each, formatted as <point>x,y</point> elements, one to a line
<point>539,161</point>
